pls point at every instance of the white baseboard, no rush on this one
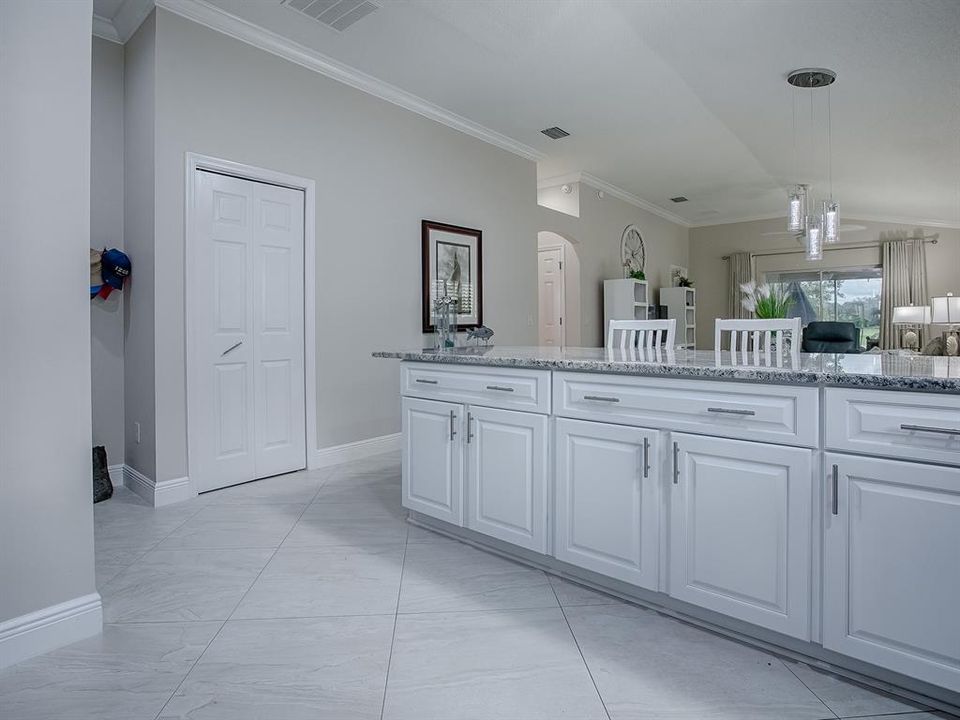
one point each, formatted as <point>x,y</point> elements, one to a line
<point>116,474</point>
<point>44,630</point>
<point>156,493</point>
<point>324,457</point>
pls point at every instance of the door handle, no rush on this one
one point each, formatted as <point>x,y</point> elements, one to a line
<point>601,398</point>
<point>233,347</point>
<point>928,429</point>
<point>676,464</point>
<point>646,457</point>
<point>726,411</point>
<point>453,430</point>
<point>835,491</point>
<point>500,388</point>
<point>469,427</point>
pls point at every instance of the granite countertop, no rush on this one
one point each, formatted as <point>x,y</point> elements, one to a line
<point>885,371</point>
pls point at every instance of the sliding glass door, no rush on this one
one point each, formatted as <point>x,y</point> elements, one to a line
<point>844,295</point>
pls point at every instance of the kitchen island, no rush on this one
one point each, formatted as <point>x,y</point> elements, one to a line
<point>813,506</point>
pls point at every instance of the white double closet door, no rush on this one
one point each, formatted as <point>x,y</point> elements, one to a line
<point>245,312</point>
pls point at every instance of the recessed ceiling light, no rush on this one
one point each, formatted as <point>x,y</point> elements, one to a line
<point>555,133</point>
<point>678,199</point>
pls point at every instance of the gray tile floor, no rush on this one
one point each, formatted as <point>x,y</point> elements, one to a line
<point>308,596</point>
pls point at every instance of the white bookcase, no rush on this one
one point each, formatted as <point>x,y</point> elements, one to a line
<point>625,299</point>
<point>681,304</point>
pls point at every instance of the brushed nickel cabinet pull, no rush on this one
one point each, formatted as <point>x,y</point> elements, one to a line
<point>725,411</point>
<point>453,431</point>
<point>676,464</point>
<point>500,388</point>
<point>928,429</point>
<point>835,489</point>
<point>646,457</point>
<point>426,382</point>
<point>469,427</point>
<point>601,398</point>
<point>233,347</point>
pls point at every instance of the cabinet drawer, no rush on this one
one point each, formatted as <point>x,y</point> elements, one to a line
<point>784,415</point>
<point>527,390</point>
<point>914,426</point>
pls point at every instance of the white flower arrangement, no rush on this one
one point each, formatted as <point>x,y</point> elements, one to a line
<point>764,300</point>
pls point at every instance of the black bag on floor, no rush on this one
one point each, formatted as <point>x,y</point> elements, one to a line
<point>102,487</point>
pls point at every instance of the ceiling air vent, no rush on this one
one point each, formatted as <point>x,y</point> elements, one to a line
<point>555,133</point>
<point>679,198</point>
<point>338,14</point>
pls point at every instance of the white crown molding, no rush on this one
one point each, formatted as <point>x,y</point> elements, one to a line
<point>557,180</point>
<point>44,630</point>
<point>104,29</point>
<point>620,193</point>
<point>915,222</point>
<point>324,457</point>
<point>216,19</point>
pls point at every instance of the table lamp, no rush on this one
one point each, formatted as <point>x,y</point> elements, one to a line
<point>946,311</point>
<point>912,318</point>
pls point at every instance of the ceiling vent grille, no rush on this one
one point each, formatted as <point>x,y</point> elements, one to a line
<point>337,14</point>
<point>555,133</point>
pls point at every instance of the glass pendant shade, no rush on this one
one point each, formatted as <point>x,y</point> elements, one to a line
<point>814,239</point>
<point>831,221</point>
<point>798,209</point>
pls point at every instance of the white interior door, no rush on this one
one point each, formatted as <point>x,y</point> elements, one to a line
<point>550,284</point>
<point>246,357</point>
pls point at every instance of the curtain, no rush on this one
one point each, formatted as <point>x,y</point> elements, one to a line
<point>904,283</point>
<point>739,271</point>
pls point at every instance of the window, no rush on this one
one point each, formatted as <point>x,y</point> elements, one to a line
<point>844,295</point>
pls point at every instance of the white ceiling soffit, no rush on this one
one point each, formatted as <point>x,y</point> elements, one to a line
<point>118,20</point>
<point>216,19</point>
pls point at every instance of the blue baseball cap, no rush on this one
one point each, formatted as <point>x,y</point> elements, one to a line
<point>115,268</point>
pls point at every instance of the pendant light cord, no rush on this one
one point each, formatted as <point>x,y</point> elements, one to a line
<point>830,143</point>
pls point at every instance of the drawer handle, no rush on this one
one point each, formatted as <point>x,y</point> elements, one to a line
<point>835,509</point>
<point>925,428</point>
<point>453,431</point>
<point>676,463</point>
<point>426,382</point>
<point>500,388</point>
<point>469,427</point>
<point>601,398</point>
<point>233,347</point>
<point>646,457</point>
<point>725,411</point>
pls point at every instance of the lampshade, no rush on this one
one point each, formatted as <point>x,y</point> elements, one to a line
<point>911,315</point>
<point>946,310</point>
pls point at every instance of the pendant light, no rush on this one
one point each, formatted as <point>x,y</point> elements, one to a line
<point>823,226</point>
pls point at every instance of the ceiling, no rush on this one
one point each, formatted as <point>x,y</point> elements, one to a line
<point>680,97</point>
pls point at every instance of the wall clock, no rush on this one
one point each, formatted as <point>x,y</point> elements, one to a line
<point>633,255</point>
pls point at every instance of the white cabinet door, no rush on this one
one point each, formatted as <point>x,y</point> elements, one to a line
<point>507,475</point>
<point>740,521</point>
<point>432,458</point>
<point>608,500</point>
<point>892,566</point>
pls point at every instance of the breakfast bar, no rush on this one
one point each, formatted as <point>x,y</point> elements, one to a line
<point>811,506</point>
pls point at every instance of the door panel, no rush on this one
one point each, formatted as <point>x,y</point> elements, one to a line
<point>550,283</point>
<point>507,471</point>
<point>278,330</point>
<point>432,458</point>
<point>891,575</point>
<point>245,368</point>
<point>740,530</point>
<point>222,422</point>
<point>608,500</point>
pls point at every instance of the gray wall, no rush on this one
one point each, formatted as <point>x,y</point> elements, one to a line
<point>708,245</point>
<point>138,227</point>
<point>596,237</point>
<point>106,230</point>
<point>379,170</point>
<point>46,514</point>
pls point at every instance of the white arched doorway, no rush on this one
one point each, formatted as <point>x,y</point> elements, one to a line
<point>558,290</point>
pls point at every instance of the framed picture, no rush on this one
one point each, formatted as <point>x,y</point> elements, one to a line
<point>452,266</point>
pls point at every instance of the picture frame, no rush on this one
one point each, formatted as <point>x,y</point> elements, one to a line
<point>452,264</point>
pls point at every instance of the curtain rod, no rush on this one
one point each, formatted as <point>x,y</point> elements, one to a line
<point>931,239</point>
